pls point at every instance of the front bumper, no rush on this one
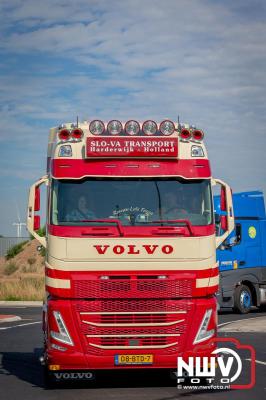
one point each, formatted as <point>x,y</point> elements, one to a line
<point>99,336</point>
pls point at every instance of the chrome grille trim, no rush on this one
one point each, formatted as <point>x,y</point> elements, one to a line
<point>132,312</point>
<point>164,346</point>
<point>162,335</point>
<point>134,324</point>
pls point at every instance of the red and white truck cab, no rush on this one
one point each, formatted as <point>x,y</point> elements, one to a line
<point>131,271</point>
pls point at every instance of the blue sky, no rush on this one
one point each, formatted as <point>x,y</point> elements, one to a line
<point>202,60</point>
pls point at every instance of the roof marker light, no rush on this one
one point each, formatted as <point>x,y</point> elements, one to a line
<point>167,127</point>
<point>96,127</point>
<point>64,134</point>
<point>197,151</point>
<point>114,127</point>
<point>77,133</point>
<point>185,134</point>
<point>197,134</point>
<point>65,151</point>
<point>132,128</point>
<point>149,127</point>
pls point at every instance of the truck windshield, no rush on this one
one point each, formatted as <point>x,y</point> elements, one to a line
<point>134,202</point>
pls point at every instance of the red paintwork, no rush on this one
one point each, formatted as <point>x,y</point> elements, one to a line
<point>128,291</point>
<point>128,284</point>
<point>131,147</point>
<point>78,168</point>
<point>128,231</point>
<point>84,356</point>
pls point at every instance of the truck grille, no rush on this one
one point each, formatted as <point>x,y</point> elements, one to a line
<point>138,324</point>
<point>137,287</point>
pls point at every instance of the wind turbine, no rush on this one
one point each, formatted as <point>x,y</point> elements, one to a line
<point>18,224</point>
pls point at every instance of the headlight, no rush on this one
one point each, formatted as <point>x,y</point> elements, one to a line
<point>114,127</point>
<point>149,127</point>
<point>203,332</point>
<point>132,128</point>
<point>63,335</point>
<point>96,127</point>
<point>167,127</point>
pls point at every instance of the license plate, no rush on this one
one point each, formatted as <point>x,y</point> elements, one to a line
<point>133,359</point>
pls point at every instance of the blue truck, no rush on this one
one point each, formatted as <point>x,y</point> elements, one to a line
<point>242,257</point>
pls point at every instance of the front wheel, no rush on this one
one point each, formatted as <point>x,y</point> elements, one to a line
<point>49,381</point>
<point>242,299</point>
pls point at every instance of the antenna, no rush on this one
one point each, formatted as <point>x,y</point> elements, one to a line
<point>77,121</point>
<point>178,122</point>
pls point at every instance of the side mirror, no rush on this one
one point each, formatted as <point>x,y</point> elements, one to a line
<point>37,222</point>
<point>223,199</point>
<point>34,221</point>
<point>227,222</point>
<point>224,224</point>
<point>37,201</point>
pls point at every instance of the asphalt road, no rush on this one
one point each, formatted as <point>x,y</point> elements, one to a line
<point>21,374</point>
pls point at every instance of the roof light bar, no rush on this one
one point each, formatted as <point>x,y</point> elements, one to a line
<point>132,128</point>
<point>149,127</point>
<point>96,127</point>
<point>64,134</point>
<point>114,127</point>
<point>167,127</point>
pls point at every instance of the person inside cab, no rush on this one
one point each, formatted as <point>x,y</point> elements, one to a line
<point>173,206</point>
<point>81,212</point>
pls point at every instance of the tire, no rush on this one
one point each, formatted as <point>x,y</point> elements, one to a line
<point>242,300</point>
<point>48,379</point>
<point>262,307</point>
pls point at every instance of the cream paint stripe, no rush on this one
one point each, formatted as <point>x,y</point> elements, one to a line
<point>57,283</point>
<point>204,282</point>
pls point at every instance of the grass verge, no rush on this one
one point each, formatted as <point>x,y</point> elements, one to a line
<point>29,288</point>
